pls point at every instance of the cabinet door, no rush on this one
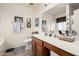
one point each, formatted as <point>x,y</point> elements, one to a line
<point>38,50</point>
<point>33,48</point>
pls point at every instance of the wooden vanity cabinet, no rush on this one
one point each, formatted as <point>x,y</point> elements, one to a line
<point>58,51</point>
<point>33,47</point>
<point>38,48</point>
<point>42,48</point>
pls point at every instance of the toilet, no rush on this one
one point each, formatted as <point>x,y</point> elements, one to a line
<point>28,43</point>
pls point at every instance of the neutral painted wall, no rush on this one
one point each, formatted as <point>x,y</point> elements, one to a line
<point>7,13</point>
<point>39,11</point>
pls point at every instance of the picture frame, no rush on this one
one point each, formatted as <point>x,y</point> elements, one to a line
<point>37,22</point>
<point>44,25</point>
<point>28,22</point>
<point>18,19</point>
<point>43,22</point>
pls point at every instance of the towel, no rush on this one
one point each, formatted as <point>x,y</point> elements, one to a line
<point>17,27</point>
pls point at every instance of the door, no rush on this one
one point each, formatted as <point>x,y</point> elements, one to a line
<point>33,48</point>
<point>38,50</point>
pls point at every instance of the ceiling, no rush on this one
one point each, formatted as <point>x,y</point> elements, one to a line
<point>57,9</point>
<point>31,5</point>
<point>74,5</point>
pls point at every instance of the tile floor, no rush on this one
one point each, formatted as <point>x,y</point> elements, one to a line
<point>21,51</point>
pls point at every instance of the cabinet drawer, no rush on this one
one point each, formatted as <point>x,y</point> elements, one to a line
<point>57,50</point>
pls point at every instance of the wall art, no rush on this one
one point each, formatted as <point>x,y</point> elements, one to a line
<point>37,22</point>
<point>28,22</point>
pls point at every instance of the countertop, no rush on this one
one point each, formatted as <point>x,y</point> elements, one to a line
<point>71,47</point>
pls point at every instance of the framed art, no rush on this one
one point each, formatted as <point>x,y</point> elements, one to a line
<point>17,24</point>
<point>37,22</point>
<point>18,19</point>
<point>44,26</point>
<point>28,22</point>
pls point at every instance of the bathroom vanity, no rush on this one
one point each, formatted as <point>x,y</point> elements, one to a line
<point>42,45</point>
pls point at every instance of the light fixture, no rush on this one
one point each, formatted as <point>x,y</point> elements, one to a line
<point>31,4</point>
<point>46,4</point>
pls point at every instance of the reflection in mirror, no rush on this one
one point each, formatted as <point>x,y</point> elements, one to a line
<point>61,25</point>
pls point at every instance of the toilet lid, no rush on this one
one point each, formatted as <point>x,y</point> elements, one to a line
<point>27,40</point>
